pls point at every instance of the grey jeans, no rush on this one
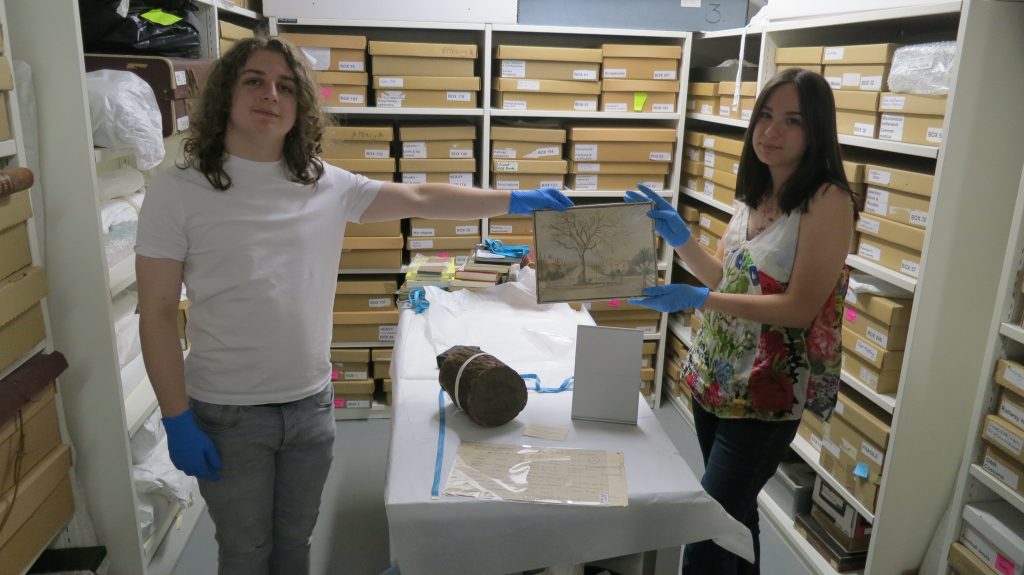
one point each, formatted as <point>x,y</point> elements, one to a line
<point>275,462</point>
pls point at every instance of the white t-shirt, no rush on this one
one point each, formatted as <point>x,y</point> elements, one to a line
<point>261,265</point>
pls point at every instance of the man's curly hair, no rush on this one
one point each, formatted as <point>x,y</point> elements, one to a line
<point>204,147</point>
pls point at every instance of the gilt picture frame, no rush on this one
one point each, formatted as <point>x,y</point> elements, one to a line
<point>596,252</point>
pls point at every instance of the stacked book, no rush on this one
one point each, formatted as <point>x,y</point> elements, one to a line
<point>427,271</point>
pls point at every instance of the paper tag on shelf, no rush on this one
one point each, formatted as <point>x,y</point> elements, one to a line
<point>723,110</point>
<point>833,53</point>
<point>387,332</point>
<point>656,186</point>
<point>386,102</point>
<point>1014,375</point>
<point>423,232</point>
<point>908,267</point>
<point>341,403</point>
<point>870,252</point>
<point>532,85</point>
<point>881,177</point>
<point>692,154</point>
<point>705,221</point>
<point>466,230</point>
<point>865,349</point>
<point>503,153</point>
<point>705,240</point>
<point>816,441</point>
<point>391,82</point>
<point>584,152</point>
<point>746,114</point>
<point>707,109</point>
<point>830,447</point>
<point>513,68</point>
<point>351,66</point>
<point>863,130</point>
<point>893,102</point>
<point>665,74</point>
<point>318,58</point>
<point>414,178</point>
<point>616,107</point>
<point>891,128</point>
<point>835,82</point>
<point>708,143</point>
<point>614,72</point>
<point>709,189</point>
<point>557,184</point>
<point>881,338</point>
<point>464,179</point>
<point>545,152</point>
<point>871,83</point>
<point>182,123</point>
<point>514,105</point>
<point>584,105</point>
<point>1004,438</point>
<point>379,302</point>
<point>584,74</point>
<point>1002,472</point>
<point>379,154</point>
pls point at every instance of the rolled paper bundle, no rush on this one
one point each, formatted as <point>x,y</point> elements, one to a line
<point>490,392</point>
<point>13,180</point>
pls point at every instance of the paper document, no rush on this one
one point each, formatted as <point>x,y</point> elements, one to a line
<point>539,475</point>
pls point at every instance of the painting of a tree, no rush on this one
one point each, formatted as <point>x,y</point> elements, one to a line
<point>594,252</point>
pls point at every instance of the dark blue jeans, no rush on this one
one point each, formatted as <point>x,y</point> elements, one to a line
<point>740,455</point>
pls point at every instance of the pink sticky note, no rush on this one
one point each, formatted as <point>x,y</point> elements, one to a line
<point>335,374</point>
<point>614,303</point>
<point>339,403</point>
<point>326,93</point>
<point>443,255</point>
<point>1004,565</point>
<point>851,315</point>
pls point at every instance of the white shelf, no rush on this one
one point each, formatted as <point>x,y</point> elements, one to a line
<point>783,524</point>
<point>588,31</point>
<point>373,111</point>
<point>719,120</point>
<point>122,275</point>
<point>8,148</point>
<point>854,17</point>
<point>887,146</point>
<point>731,32</point>
<point>379,24</point>
<point>885,401</point>
<point>808,453</point>
<point>377,411</point>
<point>656,336</point>
<point>682,409</point>
<point>709,201</point>
<point>1014,332</point>
<point>895,278</point>
<point>227,6</point>
<point>584,115</point>
<point>1000,488</point>
<point>683,332</point>
<point>166,555</point>
<point>617,194</point>
<point>337,345</point>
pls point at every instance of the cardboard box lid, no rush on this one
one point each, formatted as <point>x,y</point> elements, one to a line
<point>233,31</point>
<point>889,311</point>
<point>912,104</point>
<point>621,134</point>
<point>20,291</point>
<point>530,166</point>
<point>1001,524</point>
<point>799,55</point>
<point>902,234</point>
<point>646,168</point>
<point>422,49</point>
<point>1010,375</point>
<point>366,286</point>
<point>360,165</point>
<point>429,133</point>
<point>342,78</point>
<point>854,172</point>
<point>858,54</point>
<point>353,387</point>
<point>381,354</point>
<point>729,89</point>
<point>385,317</point>
<point>724,144</point>
<point>6,76</point>
<point>360,133</point>
<point>864,416</point>
<point>551,54</point>
<point>546,86</point>
<point>641,51</point>
<point>616,85</point>
<point>426,82</point>
<point>351,355</point>
<point>702,89</point>
<point>856,100</point>
<point>515,134</point>
<point>437,165</point>
<point>373,243</point>
<point>326,40</point>
<point>916,183</point>
<point>14,209</point>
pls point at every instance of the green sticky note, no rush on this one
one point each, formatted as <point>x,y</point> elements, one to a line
<point>158,16</point>
<point>639,99</point>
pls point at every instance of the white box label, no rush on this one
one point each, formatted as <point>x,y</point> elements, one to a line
<point>692,154</point>
<point>616,107</point>
<point>387,332</point>
<point>705,240</point>
<point>180,78</point>
<point>423,232</point>
<point>513,105</point>
<point>870,252</point>
<point>705,222</point>
<point>891,102</point>
<point>388,102</point>
<point>532,85</point>
<point>506,166</point>
<point>891,128</point>
<point>391,82</point>
<point>709,143</point>
<point>421,244</point>
<point>464,179</point>
<point>614,72</point>
<point>934,135</point>
<point>872,453</point>
<point>908,267</point>
<point>466,230</point>
<point>866,225</point>
<point>557,184</point>
<point>414,149</point>
<point>459,96</point>
<point>871,83</point>
<point>584,105</point>
<point>460,153</point>
<point>507,185</point>
<point>547,152</point>
<point>881,177</point>
<point>378,154</point>
<point>663,108</point>
<point>709,189</point>
<point>351,99</point>
<point>833,53</point>
<point>1014,376</point>
<point>501,229</point>
<point>851,296</point>
<point>881,338</point>
<point>830,447</point>
<point>586,182</point>
<point>816,441</point>
<point>353,403</point>
<point>919,218</point>
<point>980,547</point>
<point>707,109</point>
<point>1004,438</point>
<point>461,260</point>
<point>835,82</point>
<point>660,157</point>
<point>414,178</point>
<point>709,158</point>
<point>182,123</point>
<point>1002,472</point>
<point>877,202</point>
<point>664,74</point>
<point>513,68</point>
<point>867,377</point>
<point>1011,413</point>
<point>503,153</point>
<point>851,79</point>
<point>584,152</point>
<point>588,167</point>
<point>584,74</point>
<point>723,110</point>
<point>352,66</point>
<point>863,130</point>
<point>746,114</point>
<point>656,186</point>
<point>865,349</point>
<point>355,375</point>
<point>378,302</point>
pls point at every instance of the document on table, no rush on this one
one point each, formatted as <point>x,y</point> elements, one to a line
<point>539,475</point>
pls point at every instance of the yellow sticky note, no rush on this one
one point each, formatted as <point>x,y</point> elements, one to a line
<point>158,16</point>
<point>639,99</point>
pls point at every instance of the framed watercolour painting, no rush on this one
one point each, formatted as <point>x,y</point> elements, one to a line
<point>596,252</point>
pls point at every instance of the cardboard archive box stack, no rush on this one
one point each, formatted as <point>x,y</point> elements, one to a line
<point>438,154</point>
<point>443,238</point>
<point>803,57</point>
<point>381,367</point>
<point>231,33</point>
<point>620,313</point>
<point>619,158</point>
<point>676,353</point>
<point>351,375</point>
<point>710,164</point>
<point>891,228</point>
<point>1003,431</point>
<point>992,535</point>
<point>911,118</point>
<point>512,230</point>
<point>547,78</point>
<point>744,94</point>
<point>364,150</point>
<point>424,75</point>
<point>340,65</point>
<point>702,98</point>
<point>874,337</point>
<point>22,285</point>
<point>710,230</point>
<point>527,158</point>
<point>854,443</point>
<point>638,78</point>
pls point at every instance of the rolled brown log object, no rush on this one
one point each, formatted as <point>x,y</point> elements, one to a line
<point>490,392</point>
<point>13,180</point>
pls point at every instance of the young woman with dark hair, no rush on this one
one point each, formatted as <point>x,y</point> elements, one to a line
<point>769,345</point>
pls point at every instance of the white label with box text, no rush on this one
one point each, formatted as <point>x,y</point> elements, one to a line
<point>1002,472</point>
<point>865,349</point>
<point>880,177</point>
<point>1004,438</point>
<point>513,68</point>
<point>379,302</point>
<point>466,230</point>
<point>871,252</point>
<point>584,152</point>
<point>584,74</point>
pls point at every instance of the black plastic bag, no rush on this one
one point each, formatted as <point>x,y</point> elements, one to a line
<point>105,31</point>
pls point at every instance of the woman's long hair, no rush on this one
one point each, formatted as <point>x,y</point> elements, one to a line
<point>204,147</point>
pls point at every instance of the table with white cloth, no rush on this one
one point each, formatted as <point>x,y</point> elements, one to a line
<point>462,535</point>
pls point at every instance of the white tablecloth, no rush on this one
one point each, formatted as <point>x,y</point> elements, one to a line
<point>455,535</point>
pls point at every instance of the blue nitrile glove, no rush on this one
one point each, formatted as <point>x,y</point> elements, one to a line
<point>190,448</point>
<point>667,222</point>
<point>526,202</point>
<point>672,297</point>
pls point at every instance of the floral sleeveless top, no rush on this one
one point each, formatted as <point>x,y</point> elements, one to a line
<point>739,368</point>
